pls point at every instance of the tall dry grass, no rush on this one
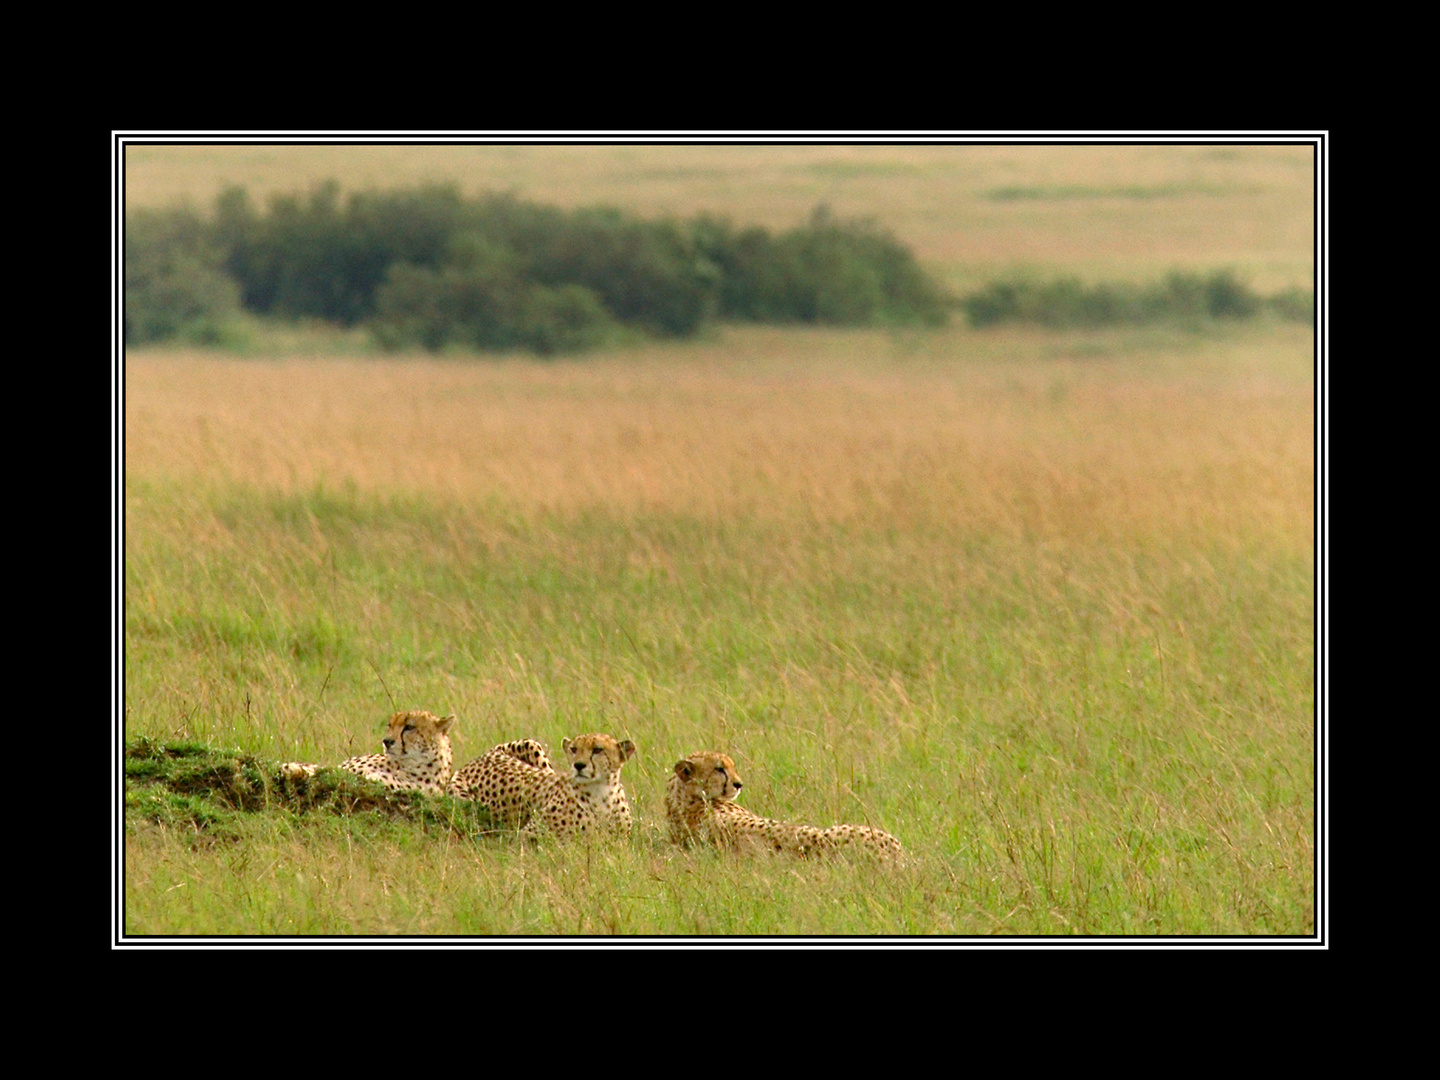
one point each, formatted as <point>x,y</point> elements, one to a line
<point>1062,449</point>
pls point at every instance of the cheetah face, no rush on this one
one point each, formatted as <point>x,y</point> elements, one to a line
<point>596,758</point>
<point>711,775</point>
<point>416,734</point>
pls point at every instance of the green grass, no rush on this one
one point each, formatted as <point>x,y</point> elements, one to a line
<point>1078,683</point>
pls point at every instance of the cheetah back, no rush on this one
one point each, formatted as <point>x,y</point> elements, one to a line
<point>530,751</point>
<point>509,787</point>
<point>519,794</point>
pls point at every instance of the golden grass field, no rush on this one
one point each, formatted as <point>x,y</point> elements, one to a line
<point>773,424</point>
<point>1040,604</point>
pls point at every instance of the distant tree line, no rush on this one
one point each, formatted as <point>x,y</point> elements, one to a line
<point>1182,297</point>
<point>427,267</point>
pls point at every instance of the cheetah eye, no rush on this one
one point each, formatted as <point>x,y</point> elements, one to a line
<point>720,769</point>
<point>597,750</point>
<point>407,727</point>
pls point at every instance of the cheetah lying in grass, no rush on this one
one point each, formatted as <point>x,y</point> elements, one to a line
<point>700,806</point>
<point>417,755</point>
<point>517,784</point>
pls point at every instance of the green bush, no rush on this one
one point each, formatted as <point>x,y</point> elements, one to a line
<point>481,301</point>
<point>431,268</point>
<point>175,284</point>
<point>476,305</point>
<point>1295,304</point>
<point>646,273</point>
<point>413,309</point>
<point>827,271</point>
<point>565,319</point>
<point>1181,298</point>
<point>1227,297</point>
<point>1061,303</point>
<point>315,258</point>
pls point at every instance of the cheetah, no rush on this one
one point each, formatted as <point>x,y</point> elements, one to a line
<point>530,751</point>
<point>517,784</point>
<point>700,805</point>
<point>417,755</point>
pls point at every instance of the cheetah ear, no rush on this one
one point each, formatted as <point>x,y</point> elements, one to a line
<point>627,750</point>
<point>684,770</point>
<point>443,724</point>
<point>566,745</point>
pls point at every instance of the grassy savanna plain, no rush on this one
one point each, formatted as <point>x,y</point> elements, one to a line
<point>1040,604</point>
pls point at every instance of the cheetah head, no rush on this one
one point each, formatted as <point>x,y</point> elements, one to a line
<point>596,758</point>
<point>417,735</point>
<point>710,776</point>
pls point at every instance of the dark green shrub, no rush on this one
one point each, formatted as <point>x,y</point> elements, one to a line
<point>292,262</point>
<point>410,310</point>
<point>646,273</point>
<point>476,301</point>
<point>1295,304</point>
<point>832,280</point>
<point>175,284</point>
<point>998,302</point>
<point>1068,303</point>
<point>479,300</point>
<point>1227,297</point>
<point>1181,297</point>
<point>845,273</point>
<point>1061,303</point>
<point>565,319</point>
<point>863,275</point>
<point>313,257</point>
<point>430,268</point>
<point>754,286</point>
